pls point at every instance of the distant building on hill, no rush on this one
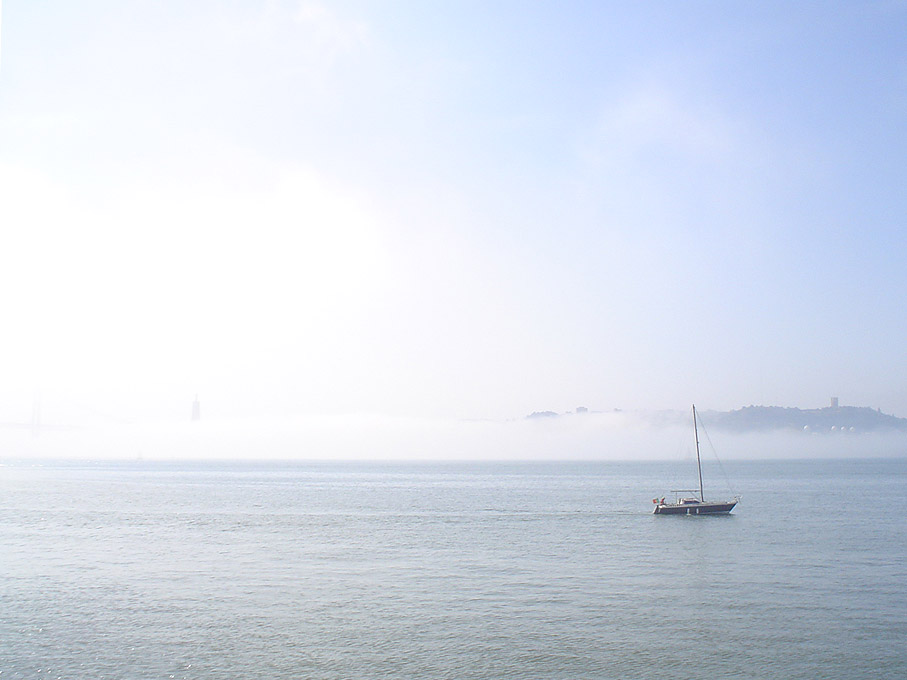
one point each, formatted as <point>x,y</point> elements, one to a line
<point>834,418</point>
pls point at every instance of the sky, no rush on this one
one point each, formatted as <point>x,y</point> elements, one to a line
<point>422,211</point>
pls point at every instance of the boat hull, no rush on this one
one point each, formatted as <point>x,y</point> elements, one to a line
<point>694,508</point>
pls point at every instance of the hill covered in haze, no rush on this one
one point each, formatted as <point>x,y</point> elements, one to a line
<point>831,419</point>
<point>828,419</point>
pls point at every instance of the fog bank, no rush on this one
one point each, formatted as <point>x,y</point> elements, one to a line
<point>607,436</point>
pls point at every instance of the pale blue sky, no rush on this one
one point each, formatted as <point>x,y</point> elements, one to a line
<point>463,209</point>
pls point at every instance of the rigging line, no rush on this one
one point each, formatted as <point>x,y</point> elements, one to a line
<point>715,453</point>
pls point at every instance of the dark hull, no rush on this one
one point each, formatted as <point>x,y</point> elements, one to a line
<point>694,508</point>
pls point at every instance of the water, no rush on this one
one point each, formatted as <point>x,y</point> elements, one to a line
<point>202,571</point>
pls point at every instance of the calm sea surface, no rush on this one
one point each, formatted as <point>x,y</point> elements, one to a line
<point>224,570</point>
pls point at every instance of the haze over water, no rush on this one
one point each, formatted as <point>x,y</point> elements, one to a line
<point>213,570</point>
<point>391,230</point>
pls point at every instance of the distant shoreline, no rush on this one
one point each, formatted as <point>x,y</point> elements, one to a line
<point>827,420</point>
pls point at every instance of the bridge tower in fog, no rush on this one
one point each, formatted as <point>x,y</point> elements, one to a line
<point>196,410</point>
<point>36,416</point>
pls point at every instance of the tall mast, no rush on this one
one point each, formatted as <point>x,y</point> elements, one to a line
<point>698,462</point>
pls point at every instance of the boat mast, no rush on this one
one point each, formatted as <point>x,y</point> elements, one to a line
<point>698,462</point>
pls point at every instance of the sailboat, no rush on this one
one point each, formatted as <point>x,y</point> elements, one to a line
<point>691,505</point>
